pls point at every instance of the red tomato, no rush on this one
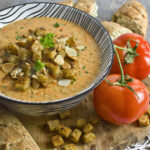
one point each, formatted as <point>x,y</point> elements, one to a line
<point>118,104</point>
<point>140,68</point>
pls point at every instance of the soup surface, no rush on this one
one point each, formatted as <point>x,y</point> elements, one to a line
<point>86,66</point>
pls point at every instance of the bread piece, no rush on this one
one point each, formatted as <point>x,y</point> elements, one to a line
<point>13,135</point>
<point>114,29</point>
<point>67,2</point>
<point>132,15</point>
<point>88,6</point>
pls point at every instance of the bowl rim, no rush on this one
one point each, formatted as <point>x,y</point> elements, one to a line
<point>78,94</point>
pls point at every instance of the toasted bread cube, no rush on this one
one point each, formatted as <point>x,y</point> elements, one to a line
<point>81,123</point>
<point>88,128</point>
<point>53,125</point>
<point>89,137</point>
<point>64,131</point>
<point>70,147</point>
<point>65,114</point>
<point>57,140</point>
<point>75,135</point>
<point>93,120</point>
<point>144,121</point>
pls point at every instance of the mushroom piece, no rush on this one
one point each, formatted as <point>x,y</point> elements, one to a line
<point>40,31</point>
<point>23,83</point>
<point>64,82</point>
<point>69,74</point>
<point>59,60</point>
<point>8,67</point>
<point>71,53</point>
<point>16,73</point>
<point>12,48</point>
<point>43,79</point>
<point>35,83</point>
<point>71,41</point>
<point>22,42</point>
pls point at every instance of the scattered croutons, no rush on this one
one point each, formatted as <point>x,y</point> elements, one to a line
<point>75,135</point>
<point>70,147</point>
<point>93,120</point>
<point>88,128</point>
<point>65,114</point>
<point>81,123</point>
<point>144,121</point>
<point>89,137</point>
<point>64,131</point>
<point>53,125</point>
<point>57,140</point>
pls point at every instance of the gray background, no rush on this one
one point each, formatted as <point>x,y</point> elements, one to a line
<point>106,7</point>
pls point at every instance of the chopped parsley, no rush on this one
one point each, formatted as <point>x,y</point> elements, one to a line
<point>18,37</point>
<point>47,41</point>
<point>86,72</point>
<point>38,65</point>
<point>60,30</point>
<point>83,67</point>
<point>56,25</point>
<point>91,54</point>
<point>21,27</point>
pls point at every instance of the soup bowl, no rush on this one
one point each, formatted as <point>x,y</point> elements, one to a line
<point>88,23</point>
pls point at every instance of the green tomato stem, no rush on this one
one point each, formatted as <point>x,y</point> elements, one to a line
<point>121,48</point>
<point>121,69</point>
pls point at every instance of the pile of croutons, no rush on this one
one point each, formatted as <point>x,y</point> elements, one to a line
<point>83,131</point>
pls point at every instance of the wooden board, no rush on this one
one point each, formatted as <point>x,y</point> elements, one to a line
<point>108,136</point>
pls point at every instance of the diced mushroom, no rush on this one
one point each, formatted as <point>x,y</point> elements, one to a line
<point>22,42</point>
<point>43,80</point>
<point>13,59</point>
<point>71,53</point>
<point>23,84</point>
<point>24,54</point>
<point>69,74</point>
<point>61,51</point>
<point>2,75</point>
<point>12,48</point>
<point>80,48</point>
<point>36,46</point>
<point>37,55</point>
<point>66,66</point>
<point>1,60</point>
<point>71,41</point>
<point>8,67</point>
<point>64,82</point>
<point>2,53</point>
<point>30,41</point>
<point>50,55</point>
<point>35,83</point>
<point>62,40</point>
<point>59,60</point>
<point>40,31</point>
<point>15,73</point>
<point>27,69</point>
<point>54,70</point>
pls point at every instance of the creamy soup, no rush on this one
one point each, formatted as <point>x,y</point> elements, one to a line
<point>84,57</point>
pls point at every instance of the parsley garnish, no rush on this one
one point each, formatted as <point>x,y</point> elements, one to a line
<point>47,41</point>
<point>21,27</point>
<point>83,67</point>
<point>18,37</point>
<point>38,66</point>
<point>56,25</point>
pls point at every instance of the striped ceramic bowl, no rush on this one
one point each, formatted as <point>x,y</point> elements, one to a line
<point>78,17</point>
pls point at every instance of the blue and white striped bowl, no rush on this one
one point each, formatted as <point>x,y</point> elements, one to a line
<point>78,17</point>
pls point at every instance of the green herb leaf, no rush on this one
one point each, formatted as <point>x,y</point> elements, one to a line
<point>18,37</point>
<point>38,66</point>
<point>21,27</point>
<point>56,25</point>
<point>47,41</point>
<point>83,67</point>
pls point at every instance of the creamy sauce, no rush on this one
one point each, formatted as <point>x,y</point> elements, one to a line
<point>87,67</point>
